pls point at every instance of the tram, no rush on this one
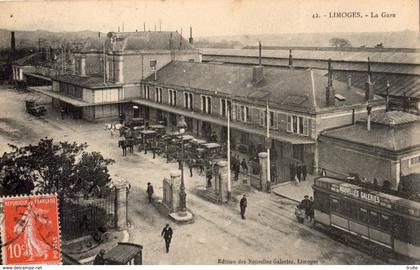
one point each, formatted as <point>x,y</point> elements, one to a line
<point>367,217</point>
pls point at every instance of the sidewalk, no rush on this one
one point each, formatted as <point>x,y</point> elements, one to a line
<point>295,192</point>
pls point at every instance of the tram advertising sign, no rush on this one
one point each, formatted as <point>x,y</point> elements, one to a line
<point>363,195</point>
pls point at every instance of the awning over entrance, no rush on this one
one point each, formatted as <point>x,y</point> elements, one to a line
<point>46,90</point>
<point>38,76</point>
<point>277,135</point>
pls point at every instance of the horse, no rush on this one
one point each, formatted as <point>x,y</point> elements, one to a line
<point>111,128</point>
<point>126,143</point>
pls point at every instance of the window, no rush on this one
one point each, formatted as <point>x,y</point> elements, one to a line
<point>385,222</point>
<point>206,104</point>
<point>223,109</point>
<point>415,161</point>
<point>243,114</point>
<point>146,91</point>
<point>374,218</point>
<point>335,205</point>
<point>158,94</point>
<point>297,124</point>
<point>363,215</point>
<point>352,210</point>
<point>153,64</point>
<point>172,97</point>
<point>188,101</point>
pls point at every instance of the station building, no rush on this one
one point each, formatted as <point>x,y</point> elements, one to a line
<point>301,103</point>
<point>107,72</point>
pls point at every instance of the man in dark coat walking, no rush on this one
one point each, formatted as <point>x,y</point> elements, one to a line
<point>299,171</point>
<point>150,191</point>
<point>243,204</point>
<point>304,172</point>
<point>167,235</point>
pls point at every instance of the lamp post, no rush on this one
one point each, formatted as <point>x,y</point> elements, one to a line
<point>182,125</point>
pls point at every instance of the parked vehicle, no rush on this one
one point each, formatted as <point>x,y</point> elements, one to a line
<point>35,109</point>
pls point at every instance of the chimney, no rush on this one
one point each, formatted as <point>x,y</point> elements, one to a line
<point>369,91</point>
<point>368,109</point>
<point>387,96</point>
<point>144,26</point>
<point>349,82</point>
<point>257,74</point>
<point>180,40</point>
<point>330,91</point>
<point>290,59</point>
<point>82,65</point>
<point>191,40</point>
<point>258,71</point>
<point>12,41</point>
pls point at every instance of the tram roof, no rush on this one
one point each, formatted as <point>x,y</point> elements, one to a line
<point>391,198</point>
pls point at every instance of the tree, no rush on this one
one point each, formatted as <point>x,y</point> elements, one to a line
<point>340,43</point>
<point>63,168</point>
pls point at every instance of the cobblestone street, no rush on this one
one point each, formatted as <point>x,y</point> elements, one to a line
<point>218,233</point>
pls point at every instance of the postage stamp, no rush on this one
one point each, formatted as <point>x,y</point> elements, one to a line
<point>30,231</point>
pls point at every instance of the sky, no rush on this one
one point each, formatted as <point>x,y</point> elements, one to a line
<point>210,17</point>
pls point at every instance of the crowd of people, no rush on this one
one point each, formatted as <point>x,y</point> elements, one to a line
<point>298,172</point>
<point>307,204</point>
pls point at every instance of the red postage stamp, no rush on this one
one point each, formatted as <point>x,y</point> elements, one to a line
<point>30,231</point>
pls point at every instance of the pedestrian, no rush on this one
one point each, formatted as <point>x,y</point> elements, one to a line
<point>99,259</point>
<point>304,172</point>
<point>243,204</point>
<point>236,169</point>
<point>167,235</point>
<point>150,191</point>
<point>190,166</point>
<point>62,112</point>
<point>244,165</point>
<point>273,173</point>
<point>292,171</point>
<point>311,209</point>
<point>299,171</point>
<point>209,177</point>
<point>306,204</point>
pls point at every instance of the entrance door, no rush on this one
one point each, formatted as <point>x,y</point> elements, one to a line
<point>136,111</point>
<point>298,152</point>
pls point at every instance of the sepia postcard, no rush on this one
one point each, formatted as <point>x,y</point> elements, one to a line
<point>221,133</point>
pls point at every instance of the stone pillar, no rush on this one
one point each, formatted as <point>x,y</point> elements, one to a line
<point>82,68</point>
<point>121,205</point>
<point>263,171</point>
<point>316,159</point>
<point>119,72</point>
<point>73,65</point>
<point>175,182</point>
<point>223,180</point>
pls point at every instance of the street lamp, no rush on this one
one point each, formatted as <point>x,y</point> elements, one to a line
<point>181,126</point>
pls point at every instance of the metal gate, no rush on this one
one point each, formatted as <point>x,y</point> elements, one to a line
<point>83,217</point>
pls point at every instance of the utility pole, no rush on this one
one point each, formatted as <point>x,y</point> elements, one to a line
<point>268,147</point>
<point>228,152</point>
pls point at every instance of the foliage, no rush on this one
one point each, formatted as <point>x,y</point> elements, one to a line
<point>340,43</point>
<point>47,167</point>
<point>223,44</point>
